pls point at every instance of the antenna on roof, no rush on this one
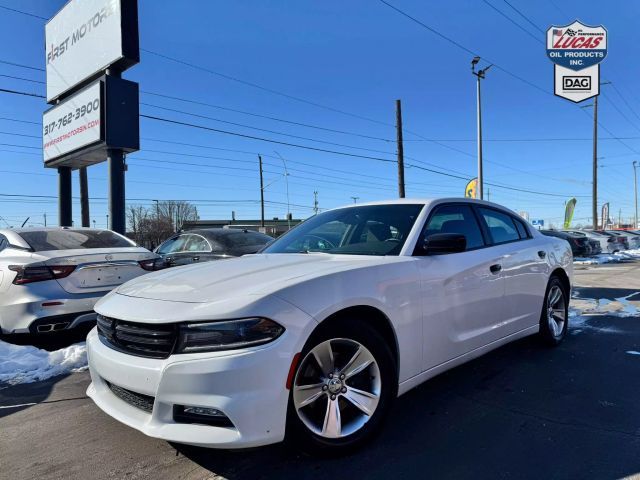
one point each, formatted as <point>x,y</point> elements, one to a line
<point>23,223</point>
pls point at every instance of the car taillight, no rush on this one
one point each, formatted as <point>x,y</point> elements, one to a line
<point>148,265</point>
<point>40,273</point>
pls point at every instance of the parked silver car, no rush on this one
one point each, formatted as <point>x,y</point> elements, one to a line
<point>50,278</point>
<point>607,242</point>
<point>632,238</point>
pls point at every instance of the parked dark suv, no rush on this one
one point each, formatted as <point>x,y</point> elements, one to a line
<point>207,244</point>
<point>580,246</point>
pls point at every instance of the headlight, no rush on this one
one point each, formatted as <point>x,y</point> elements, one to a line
<point>227,335</point>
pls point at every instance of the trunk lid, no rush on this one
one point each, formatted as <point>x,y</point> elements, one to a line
<point>97,269</point>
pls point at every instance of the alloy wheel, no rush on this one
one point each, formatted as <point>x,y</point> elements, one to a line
<point>337,388</point>
<point>556,311</point>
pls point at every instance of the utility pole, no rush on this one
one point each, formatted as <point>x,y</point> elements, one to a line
<point>355,199</point>
<point>480,74</point>
<point>157,210</point>
<point>107,221</point>
<point>315,202</point>
<point>594,205</point>
<point>488,194</point>
<point>635,194</point>
<point>84,197</point>
<point>286,179</point>
<point>45,219</point>
<point>400,149</point>
<point>261,193</point>
<point>619,217</point>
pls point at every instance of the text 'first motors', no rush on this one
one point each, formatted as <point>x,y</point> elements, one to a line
<point>94,22</point>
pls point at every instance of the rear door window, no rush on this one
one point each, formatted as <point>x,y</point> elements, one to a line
<point>197,244</point>
<point>501,225</point>
<point>455,218</point>
<point>69,239</point>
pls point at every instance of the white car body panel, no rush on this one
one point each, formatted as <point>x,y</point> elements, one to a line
<point>443,309</point>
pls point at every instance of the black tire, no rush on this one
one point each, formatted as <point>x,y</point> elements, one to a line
<point>547,333</point>
<point>302,437</point>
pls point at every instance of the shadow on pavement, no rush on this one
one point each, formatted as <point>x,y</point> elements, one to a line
<point>50,341</point>
<point>15,398</point>
<point>522,411</point>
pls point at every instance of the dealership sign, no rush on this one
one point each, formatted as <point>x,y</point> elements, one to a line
<point>73,124</point>
<point>85,38</point>
<point>576,50</point>
<point>78,131</point>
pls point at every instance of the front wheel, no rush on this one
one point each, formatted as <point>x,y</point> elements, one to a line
<point>554,319</point>
<point>343,388</point>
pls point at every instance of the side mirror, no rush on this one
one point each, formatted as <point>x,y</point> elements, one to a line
<point>439,243</point>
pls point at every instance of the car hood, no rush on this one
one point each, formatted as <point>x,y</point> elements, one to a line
<point>249,275</point>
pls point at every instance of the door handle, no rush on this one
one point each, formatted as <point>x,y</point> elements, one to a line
<point>495,268</point>
<point>542,253</point>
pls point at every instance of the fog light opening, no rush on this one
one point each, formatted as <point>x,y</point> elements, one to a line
<point>200,415</point>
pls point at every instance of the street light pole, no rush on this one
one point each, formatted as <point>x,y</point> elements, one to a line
<point>480,74</point>
<point>635,194</point>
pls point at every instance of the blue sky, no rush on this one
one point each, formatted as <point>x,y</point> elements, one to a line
<point>356,57</point>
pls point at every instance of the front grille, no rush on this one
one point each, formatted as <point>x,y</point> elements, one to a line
<point>141,339</point>
<point>138,400</point>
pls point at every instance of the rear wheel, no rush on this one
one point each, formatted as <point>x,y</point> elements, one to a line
<point>342,390</point>
<point>554,319</point>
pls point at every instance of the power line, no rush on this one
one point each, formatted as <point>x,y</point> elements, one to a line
<point>252,137</point>
<point>513,21</point>
<point>6,62</point>
<point>268,117</point>
<point>23,13</point>
<point>262,129</point>
<point>15,92</point>
<point>260,87</point>
<point>22,78</point>
<point>524,16</point>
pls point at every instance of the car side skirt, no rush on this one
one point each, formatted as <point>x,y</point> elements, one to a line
<point>412,382</point>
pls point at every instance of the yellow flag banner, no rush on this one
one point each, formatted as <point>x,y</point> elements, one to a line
<point>471,190</point>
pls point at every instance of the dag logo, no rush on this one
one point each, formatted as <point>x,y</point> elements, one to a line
<point>577,46</point>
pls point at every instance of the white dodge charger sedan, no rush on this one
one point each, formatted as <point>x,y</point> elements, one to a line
<point>315,336</point>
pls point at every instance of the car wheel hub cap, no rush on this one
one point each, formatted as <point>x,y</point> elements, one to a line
<point>556,311</point>
<point>337,388</point>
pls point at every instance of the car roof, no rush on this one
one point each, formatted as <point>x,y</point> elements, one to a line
<point>219,232</point>
<point>47,229</point>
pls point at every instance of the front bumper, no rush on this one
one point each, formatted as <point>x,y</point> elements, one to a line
<point>248,386</point>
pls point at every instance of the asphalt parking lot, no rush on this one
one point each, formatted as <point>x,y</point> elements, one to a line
<point>522,411</point>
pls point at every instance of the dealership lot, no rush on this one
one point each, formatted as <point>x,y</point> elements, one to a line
<point>522,411</point>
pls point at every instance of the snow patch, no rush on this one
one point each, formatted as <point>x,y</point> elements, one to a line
<point>608,258</point>
<point>25,364</point>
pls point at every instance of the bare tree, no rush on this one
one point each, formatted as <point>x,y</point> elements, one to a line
<point>177,212</point>
<point>151,226</point>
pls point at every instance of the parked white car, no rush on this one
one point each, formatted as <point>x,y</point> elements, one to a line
<point>316,335</point>
<point>51,278</point>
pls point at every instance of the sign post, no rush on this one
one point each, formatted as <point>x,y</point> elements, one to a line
<point>95,113</point>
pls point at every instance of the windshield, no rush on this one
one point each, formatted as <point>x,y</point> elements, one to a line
<point>43,240</point>
<point>366,230</point>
